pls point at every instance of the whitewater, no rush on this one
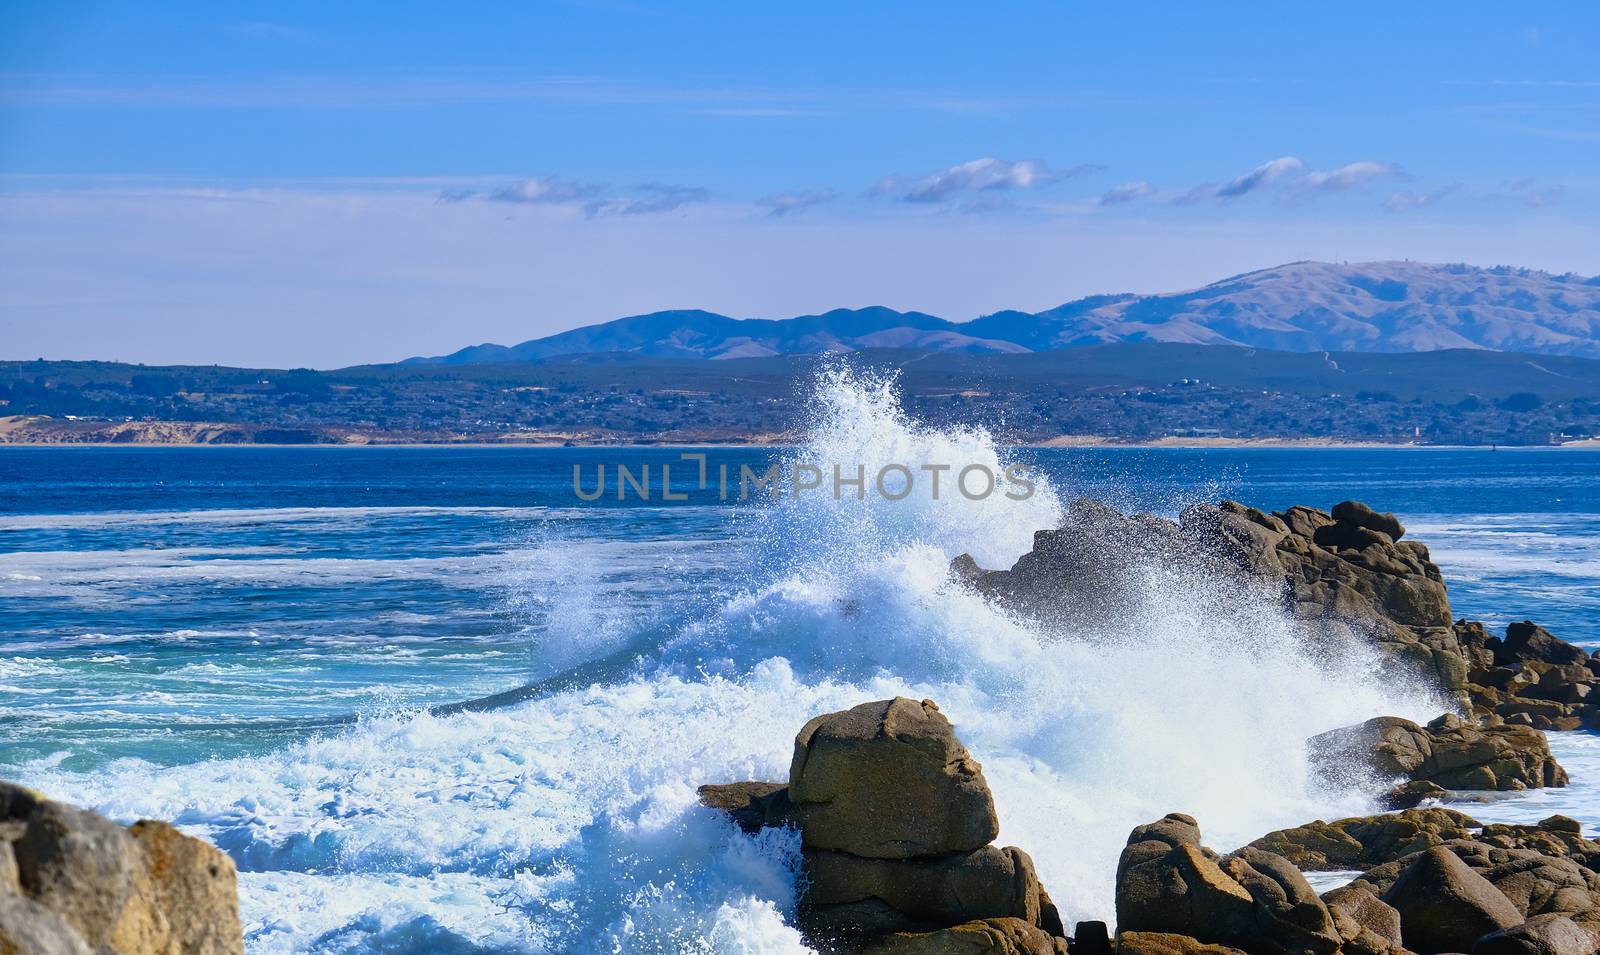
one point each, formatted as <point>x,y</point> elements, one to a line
<point>567,821</point>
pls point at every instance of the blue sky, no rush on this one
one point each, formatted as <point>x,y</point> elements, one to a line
<point>321,184</point>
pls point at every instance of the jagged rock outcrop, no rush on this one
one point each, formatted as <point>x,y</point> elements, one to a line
<point>1536,882</point>
<point>1345,575</point>
<point>74,882</point>
<point>896,826</point>
<point>1530,677</point>
<point>1506,888</point>
<point>1365,842</point>
<point>1448,752</point>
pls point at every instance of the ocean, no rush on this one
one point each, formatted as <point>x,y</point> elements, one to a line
<point>246,641</point>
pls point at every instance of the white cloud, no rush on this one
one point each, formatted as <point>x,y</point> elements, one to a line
<point>1291,173</point>
<point>789,202</point>
<point>1263,175</point>
<point>1350,174</point>
<point>979,175</point>
<point>1127,192</point>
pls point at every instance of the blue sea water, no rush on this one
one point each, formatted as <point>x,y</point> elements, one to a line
<point>243,640</point>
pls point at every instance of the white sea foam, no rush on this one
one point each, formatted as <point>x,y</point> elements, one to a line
<point>568,822</point>
<point>261,515</point>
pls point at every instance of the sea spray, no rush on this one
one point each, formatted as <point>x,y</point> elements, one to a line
<point>1195,695</point>
<point>568,822</point>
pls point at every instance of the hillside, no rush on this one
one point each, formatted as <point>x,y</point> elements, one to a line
<point>1303,307</point>
<point>693,333</point>
<point>1315,306</point>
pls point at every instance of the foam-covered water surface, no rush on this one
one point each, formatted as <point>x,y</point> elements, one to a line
<point>200,665</point>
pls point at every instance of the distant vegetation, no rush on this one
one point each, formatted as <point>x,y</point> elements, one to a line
<point>1120,391</point>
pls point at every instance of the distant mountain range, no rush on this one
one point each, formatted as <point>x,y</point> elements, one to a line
<point>1303,306</point>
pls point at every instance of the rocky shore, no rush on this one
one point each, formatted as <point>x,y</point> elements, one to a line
<point>896,823</point>
<point>897,827</point>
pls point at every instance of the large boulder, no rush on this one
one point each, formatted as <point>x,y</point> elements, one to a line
<point>889,780</point>
<point>1169,884</point>
<point>1444,906</point>
<point>1357,514</point>
<point>1368,925</point>
<point>896,823</point>
<point>1448,752</point>
<point>1540,935</point>
<point>849,894</point>
<point>100,887</point>
<point>1536,880</point>
<point>1527,641</point>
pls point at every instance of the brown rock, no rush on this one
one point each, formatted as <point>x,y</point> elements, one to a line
<point>752,805</point>
<point>1363,842</point>
<point>1287,910</point>
<point>1444,906</point>
<point>1540,935</point>
<point>28,928</point>
<point>1340,578</point>
<point>848,894</point>
<point>87,870</point>
<point>889,780</point>
<point>1367,912</point>
<point>1411,794</point>
<point>1165,943</point>
<point>1533,872</point>
<point>191,876</point>
<point>1091,938</point>
<point>1001,936</point>
<point>1167,883</point>
<point>95,886</point>
<point>1448,752</point>
<point>1360,515</point>
<point>1529,641</point>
